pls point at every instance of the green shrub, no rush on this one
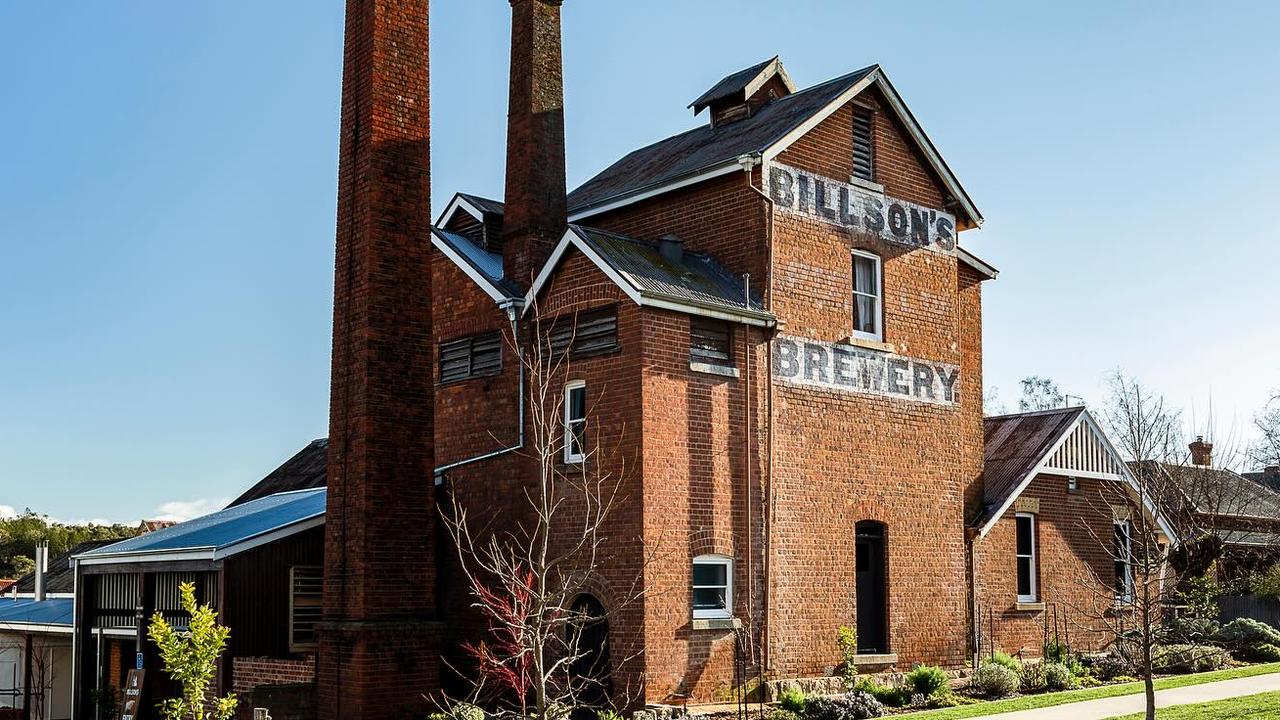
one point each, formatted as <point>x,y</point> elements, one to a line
<point>1200,594</point>
<point>851,706</point>
<point>994,681</point>
<point>1266,584</point>
<point>792,699</point>
<point>1032,676</point>
<point>1112,667</point>
<point>1243,632</point>
<point>781,714</point>
<point>928,680</point>
<point>1058,677</point>
<point>1188,658</point>
<point>466,711</point>
<point>1261,652</point>
<point>1007,660</point>
<point>890,695</point>
<point>847,643</point>
<point>608,715</point>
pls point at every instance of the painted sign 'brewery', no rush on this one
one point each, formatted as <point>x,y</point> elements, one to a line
<point>835,366</point>
<point>849,206</point>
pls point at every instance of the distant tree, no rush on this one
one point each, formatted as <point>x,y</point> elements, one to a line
<point>20,535</point>
<point>1265,452</point>
<point>991,403</point>
<point>1039,393</point>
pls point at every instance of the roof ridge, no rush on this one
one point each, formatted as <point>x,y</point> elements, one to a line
<point>1035,413</point>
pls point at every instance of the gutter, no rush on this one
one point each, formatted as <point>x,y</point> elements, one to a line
<point>513,316</point>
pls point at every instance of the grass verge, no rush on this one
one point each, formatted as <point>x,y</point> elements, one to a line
<point>1032,702</point>
<point>1248,706</point>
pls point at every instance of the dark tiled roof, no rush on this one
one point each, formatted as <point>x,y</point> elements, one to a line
<point>488,264</point>
<point>485,204</point>
<point>1246,538</point>
<point>729,85</point>
<point>303,471</point>
<point>696,279</point>
<point>1014,445</point>
<point>705,147</point>
<point>1223,492</point>
<point>60,578</point>
<point>224,529</point>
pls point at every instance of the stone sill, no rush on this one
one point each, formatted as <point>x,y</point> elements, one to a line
<point>871,185</point>
<point>1029,607</point>
<point>715,624</point>
<point>870,344</point>
<point>710,369</point>
<point>879,659</point>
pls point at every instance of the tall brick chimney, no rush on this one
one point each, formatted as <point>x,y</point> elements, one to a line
<point>1201,452</point>
<point>535,214</point>
<point>379,643</point>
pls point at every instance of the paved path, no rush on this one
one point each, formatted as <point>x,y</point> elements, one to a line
<point>1110,707</point>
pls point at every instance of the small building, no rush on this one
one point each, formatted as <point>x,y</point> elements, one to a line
<point>258,563</point>
<point>1052,546</point>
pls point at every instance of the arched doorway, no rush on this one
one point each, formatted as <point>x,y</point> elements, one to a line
<point>591,671</point>
<point>872,587</point>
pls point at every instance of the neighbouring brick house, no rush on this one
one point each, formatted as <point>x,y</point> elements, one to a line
<point>1053,544</point>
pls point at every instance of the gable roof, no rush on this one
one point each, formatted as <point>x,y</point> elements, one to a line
<point>706,152</point>
<point>482,266</point>
<point>745,81</point>
<point>1219,491</point>
<point>220,534</point>
<point>304,471</point>
<point>696,284</point>
<point>1067,441</point>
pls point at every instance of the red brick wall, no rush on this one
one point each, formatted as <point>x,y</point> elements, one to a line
<point>1073,532</point>
<point>250,672</point>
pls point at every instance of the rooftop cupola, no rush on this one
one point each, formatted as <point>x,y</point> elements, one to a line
<point>742,93</point>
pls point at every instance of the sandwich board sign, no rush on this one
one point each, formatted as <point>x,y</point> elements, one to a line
<point>131,701</point>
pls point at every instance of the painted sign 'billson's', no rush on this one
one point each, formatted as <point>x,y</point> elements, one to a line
<point>835,366</point>
<point>850,206</point>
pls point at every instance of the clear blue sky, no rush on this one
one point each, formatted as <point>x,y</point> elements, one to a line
<point>168,177</point>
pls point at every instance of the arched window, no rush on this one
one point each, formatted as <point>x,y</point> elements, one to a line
<point>712,586</point>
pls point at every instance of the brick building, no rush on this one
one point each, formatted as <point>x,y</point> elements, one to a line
<point>1053,544</point>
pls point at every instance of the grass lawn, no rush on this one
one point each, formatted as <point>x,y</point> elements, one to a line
<point>1031,702</point>
<point>1264,705</point>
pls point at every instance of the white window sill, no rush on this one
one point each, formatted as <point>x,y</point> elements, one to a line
<point>874,187</point>
<point>710,369</point>
<point>723,623</point>
<point>870,344</point>
<point>1022,606</point>
<point>876,659</point>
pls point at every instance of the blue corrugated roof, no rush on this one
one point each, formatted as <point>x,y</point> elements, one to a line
<point>25,611</point>
<point>224,528</point>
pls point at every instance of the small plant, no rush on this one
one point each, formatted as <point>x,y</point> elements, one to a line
<point>1191,630</point>
<point>190,658</point>
<point>781,714</point>
<point>1266,584</point>
<point>1033,677</point>
<point>1189,658</point>
<point>890,695</point>
<point>1005,659</point>
<point>608,715</point>
<point>1058,677</point>
<point>851,706</point>
<point>1111,667</point>
<point>106,703</point>
<point>847,642</point>
<point>1243,632</point>
<point>994,681</point>
<point>928,680</point>
<point>792,699</point>
<point>1201,594</point>
<point>1261,652</point>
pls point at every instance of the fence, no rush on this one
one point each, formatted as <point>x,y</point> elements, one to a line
<point>1249,606</point>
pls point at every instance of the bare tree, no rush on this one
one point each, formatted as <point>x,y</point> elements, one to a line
<point>1039,393</point>
<point>1265,452</point>
<point>528,570</point>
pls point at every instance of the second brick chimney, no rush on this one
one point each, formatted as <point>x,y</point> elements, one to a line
<point>536,212</point>
<point>1201,452</point>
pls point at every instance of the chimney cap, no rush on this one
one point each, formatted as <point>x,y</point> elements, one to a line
<point>671,248</point>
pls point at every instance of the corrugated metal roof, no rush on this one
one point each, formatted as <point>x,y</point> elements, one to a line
<point>482,261</point>
<point>304,471</point>
<point>224,529</point>
<point>696,278</point>
<point>1014,445</point>
<point>705,147</point>
<point>60,578</point>
<point>25,611</point>
<point>485,204</point>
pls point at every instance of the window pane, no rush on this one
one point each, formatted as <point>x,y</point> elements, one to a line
<point>1024,536</point>
<point>577,403</point>
<point>864,275</point>
<point>706,574</point>
<point>864,314</point>
<point>708,599</point>
<point>1024,576</point>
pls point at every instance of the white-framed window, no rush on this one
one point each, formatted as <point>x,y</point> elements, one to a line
<point>1026,552</point>
<point>712,586</point>
<point>575,421</point>
<point>1073,484</point>
<point>868,297</point>
<point>1123,550</point>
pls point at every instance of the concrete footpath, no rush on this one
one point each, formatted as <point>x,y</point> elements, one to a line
<point>1110,707</point>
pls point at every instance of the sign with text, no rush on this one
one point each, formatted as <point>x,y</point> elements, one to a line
<point>847,368</point>
<point>131,700</point>
<point>801,192</point>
